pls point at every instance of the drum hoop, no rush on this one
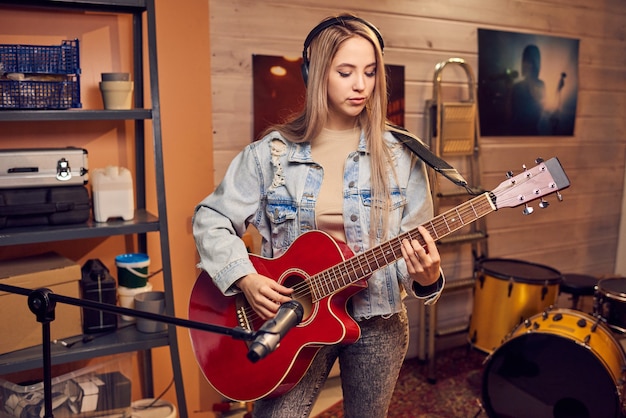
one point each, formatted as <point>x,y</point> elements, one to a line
<point>621,296</point>
<point>517,279</point>
<point>605,329</point>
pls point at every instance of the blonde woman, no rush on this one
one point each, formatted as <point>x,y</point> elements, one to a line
<point>336,168</point>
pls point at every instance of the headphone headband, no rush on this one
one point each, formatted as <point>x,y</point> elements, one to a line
<point>333,21</point>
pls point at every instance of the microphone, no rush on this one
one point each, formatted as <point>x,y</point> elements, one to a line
<point>269,335</point>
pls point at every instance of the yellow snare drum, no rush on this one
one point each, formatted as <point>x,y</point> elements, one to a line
<point>505,293</point>
<point>559,363</point>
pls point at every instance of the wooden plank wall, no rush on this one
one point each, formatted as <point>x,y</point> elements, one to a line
<point>579,234</point>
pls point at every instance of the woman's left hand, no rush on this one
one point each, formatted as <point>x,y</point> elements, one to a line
<point>423,263</point>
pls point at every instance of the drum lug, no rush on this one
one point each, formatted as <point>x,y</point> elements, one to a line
<point>510,287</point>
<point>481,280</point>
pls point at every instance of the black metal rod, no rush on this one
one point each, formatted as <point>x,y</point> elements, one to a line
<point>237,332</point>
<point>47,370</point>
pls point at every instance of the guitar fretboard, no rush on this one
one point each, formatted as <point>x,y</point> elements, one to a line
<point>360,266</point>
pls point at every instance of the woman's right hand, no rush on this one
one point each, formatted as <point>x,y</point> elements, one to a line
<point>264,294</point>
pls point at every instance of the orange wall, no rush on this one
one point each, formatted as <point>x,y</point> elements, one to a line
<point>184,76</point>
<point>184,70</point>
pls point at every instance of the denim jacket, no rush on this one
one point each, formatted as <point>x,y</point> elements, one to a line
<point>273,185</point>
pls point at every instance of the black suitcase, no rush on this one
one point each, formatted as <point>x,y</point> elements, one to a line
<point>44,206</point>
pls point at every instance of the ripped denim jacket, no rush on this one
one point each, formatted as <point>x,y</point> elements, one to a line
<point>273,184</point>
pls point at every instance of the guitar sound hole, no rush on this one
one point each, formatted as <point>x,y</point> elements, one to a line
<point>302,294</point>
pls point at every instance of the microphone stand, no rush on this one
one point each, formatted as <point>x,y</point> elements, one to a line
<point>42,303</point>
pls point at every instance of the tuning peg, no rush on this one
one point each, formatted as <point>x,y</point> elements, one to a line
<point>509,174</point>
<point>539,160</point>
<point>543,203</point>
<point>528,210</point>
<point>559,196</point>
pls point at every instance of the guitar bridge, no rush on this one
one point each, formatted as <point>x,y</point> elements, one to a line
<point>242,312</point>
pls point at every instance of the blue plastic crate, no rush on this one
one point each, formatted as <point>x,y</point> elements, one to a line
<point>38,59</point>
<point>40,94</point>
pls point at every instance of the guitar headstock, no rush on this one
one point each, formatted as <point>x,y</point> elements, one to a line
<point>545,178</point>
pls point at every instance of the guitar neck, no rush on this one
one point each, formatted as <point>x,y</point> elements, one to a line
<point>361,266</point>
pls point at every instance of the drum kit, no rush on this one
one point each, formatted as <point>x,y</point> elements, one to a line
<point>544,361</point>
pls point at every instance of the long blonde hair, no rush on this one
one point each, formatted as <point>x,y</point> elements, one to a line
<point>308,124</point>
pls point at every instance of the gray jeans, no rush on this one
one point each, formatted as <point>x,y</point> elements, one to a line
<point>369,370</point>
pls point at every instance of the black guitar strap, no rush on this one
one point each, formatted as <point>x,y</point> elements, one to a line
<point>436,163</point>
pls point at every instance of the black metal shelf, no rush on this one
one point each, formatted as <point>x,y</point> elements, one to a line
<point>127,339</point>
<point>113,6</point>
<point>143,222</point>
<point>73,115</point>
<point>124,340</point>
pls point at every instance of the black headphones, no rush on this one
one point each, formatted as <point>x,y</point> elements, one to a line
<point>332,21</point>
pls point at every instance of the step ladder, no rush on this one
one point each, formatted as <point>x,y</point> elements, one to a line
<point>452,133</point>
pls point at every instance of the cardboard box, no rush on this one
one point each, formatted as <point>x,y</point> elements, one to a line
<point>18,325</point>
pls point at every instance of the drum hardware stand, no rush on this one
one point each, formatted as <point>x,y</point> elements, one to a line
<point>452,129</point>
<point>42,303</point>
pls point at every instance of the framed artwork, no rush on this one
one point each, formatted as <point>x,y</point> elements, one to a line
<point>527,84</point>
<point>279,91</point>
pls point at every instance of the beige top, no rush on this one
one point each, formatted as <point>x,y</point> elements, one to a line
<point>330,149</point>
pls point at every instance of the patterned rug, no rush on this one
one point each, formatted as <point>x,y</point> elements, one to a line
<point>455,394</point>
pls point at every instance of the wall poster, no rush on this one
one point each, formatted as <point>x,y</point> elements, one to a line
<point>527,84</point>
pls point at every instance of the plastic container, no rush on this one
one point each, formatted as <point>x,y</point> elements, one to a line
<point>126,298</point>
<point>132,269</point>
<point>91,390</point>
<point>40,76</point>
<point>27,94</point>
<point>41,59</point>
<point>112,193</point>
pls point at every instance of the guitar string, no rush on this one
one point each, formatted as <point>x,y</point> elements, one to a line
<point>461,213</point>
<point>474,208</point>
<point>302,289</point>
<point>348,268</point>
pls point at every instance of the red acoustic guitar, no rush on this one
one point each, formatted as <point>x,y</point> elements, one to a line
<point>325,274</point>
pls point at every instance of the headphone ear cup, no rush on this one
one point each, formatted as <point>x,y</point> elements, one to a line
<point>304,68</point>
